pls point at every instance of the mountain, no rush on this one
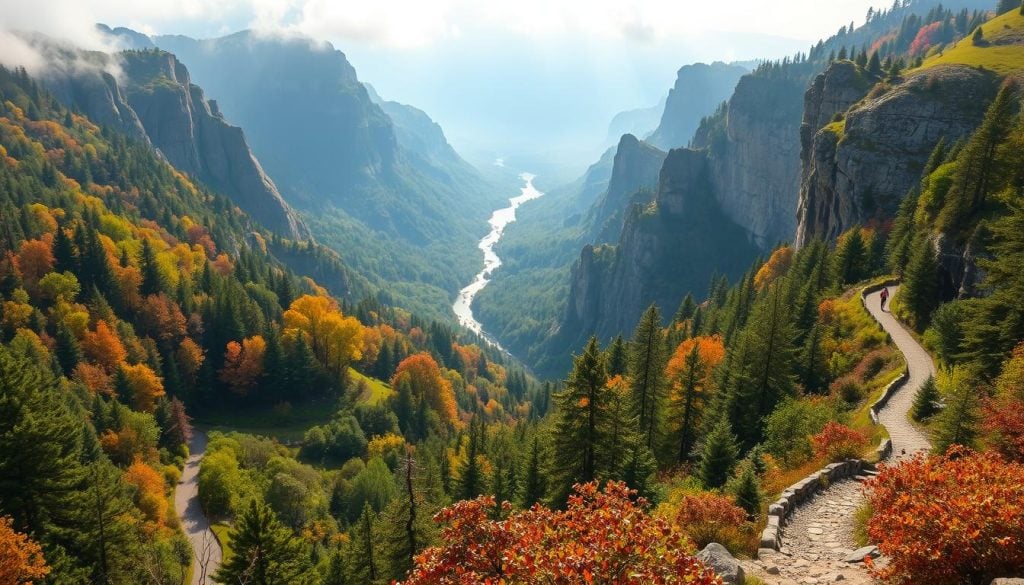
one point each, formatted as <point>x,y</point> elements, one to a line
<point>638,122</point>
<point>698,90</point>
<point>386,192</point>
<point>633,179</point>
<point>666,249</point>
<point>153,100</point>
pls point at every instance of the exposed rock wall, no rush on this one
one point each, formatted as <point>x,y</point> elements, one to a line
<point>858,170</point>
<point>195,138</point>
<point>636,167</point>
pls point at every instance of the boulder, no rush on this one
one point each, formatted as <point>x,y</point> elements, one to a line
<point>723,563</point>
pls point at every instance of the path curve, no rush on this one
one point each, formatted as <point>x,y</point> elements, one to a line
<point>206,552</point>
<point>819,535</point>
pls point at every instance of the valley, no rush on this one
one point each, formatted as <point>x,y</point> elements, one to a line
<point>263,323</point>
<point>500,219</point>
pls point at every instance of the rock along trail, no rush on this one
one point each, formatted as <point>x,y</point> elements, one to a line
<point>206,551</point>
<point>819,535</point>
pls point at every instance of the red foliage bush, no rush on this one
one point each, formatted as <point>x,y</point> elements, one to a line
<point>926,37</point>
<point>837,442</point>
<point>957,518</point>
<point>708,517</point>
<point>1003,423</point>
<point>601,537</point>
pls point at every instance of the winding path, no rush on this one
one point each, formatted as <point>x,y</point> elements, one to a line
<point>819,535</point>
<point>206,552</point>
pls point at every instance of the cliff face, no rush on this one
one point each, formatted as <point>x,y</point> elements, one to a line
<point>698,90</point>
<point>666,249</point>
<point>195,138</point>
<point>859,169</point>
<point>634,176</point>
<point>755,158</point>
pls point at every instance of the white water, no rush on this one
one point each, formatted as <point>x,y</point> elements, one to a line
<point>463,306</point>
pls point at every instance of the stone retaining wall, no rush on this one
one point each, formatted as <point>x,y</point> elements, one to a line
<point>805,489</point>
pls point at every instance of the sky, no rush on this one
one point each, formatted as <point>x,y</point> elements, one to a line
<point>501,76</point>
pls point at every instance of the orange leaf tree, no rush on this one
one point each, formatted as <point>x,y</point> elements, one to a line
<point>243,364</point>
<point>142,384</point>
<point>689,371</point>
<point>103,347</point>
<point>21,558</point>
<point>601,537</point>
<point>427,383</point>
<point>951,519</point>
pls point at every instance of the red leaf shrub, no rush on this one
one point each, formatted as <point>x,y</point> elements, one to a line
<point>709,517</point>
<point>837,442</point>
<point>957,518</point>
<point>601,537</point>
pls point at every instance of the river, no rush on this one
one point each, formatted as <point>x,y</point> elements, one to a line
<point>463,305</point>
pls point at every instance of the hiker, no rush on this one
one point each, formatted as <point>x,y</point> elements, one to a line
<point>884,296</point>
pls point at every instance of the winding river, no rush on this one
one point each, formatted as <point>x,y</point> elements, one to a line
<point>463,305</point>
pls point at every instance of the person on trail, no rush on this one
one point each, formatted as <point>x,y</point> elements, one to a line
<point>884,296</point>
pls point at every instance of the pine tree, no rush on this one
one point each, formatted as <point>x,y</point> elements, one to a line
<point>850,258</point>
<point>718,457</point>
<point>616,357</point>
<point>265,551</point>
<point>68,351</point>
<point>978,37</point>
<point>901,238</point>
<point>362,555</point>
<point>920,291</point>
<point>925,400</point>
<point>471,479</point>
<point>102,522</point>
<point>747,490</point>
<point>407,527</point>
<point>647,375</point>
<point>578,421</point>
<point>40,443</point>
<point>689,404</point>
<point>813,367</point>
<point>152,278</point>
<point>957,424</point>
<point>762,368</point>
<point>875,64</point>
<point>686,309</point>
<point>533,485</point>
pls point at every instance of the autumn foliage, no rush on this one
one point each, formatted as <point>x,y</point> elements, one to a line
<point>424,375</point>
<point>776,266</point>
<point>21,558</point>
<point>601,537</point>
<point>837,442</point>
<point>957,518</point>
<point>708,517</point>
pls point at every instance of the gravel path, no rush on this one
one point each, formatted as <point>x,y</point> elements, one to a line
<point>206,553</point>
<point>819,535</point>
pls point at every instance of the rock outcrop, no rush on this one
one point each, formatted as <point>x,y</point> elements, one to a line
<point>754,156</point>
<point>858,169</point>
<point>191,132</point>
<point>634,177</point>
<point>698,90</point>
<point>666,249</point>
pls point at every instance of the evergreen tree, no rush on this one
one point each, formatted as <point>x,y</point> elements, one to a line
<point>647,375</point>
<point>265,551</point>
<point>747,490</point>
<point>362,552</point>
<point>925,400</point>
<point>578,421</point>
<point>68,351</point>
<point>152,278</point>
<point>63,252</point>
<point>533,485</point>
<point>850,259</point>
<point>40,444</point>
<point>686,309</point>
<point>763,365</point>
<point>718,457</point>
<point>813,366</point>
<point>103,523</point>
<point>920,291</point>
<point>901,238</point>
<point>616,357</point>
<point>875,64</point>
<point>471,480</point>
<point>687,408</point>
<point>407,526</point>
<point>957,424</point>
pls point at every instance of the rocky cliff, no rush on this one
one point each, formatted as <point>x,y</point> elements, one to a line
<point>666,249</point>
<point>634,177</point>
<point>858,169</point>
<point>698,90</point>
<point>754,156</point>
<point>191,132</point>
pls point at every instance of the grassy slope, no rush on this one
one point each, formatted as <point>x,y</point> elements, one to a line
<point>1002,52</point>
<point>289,427</point>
